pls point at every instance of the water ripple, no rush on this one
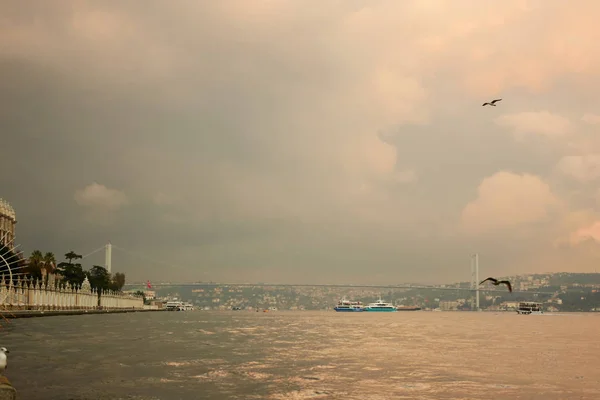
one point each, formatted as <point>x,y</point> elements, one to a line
<point>305,355</point>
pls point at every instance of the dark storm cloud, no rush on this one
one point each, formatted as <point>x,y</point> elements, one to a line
<point>241,140</point>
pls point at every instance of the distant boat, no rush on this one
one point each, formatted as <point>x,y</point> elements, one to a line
<point>380,306</point>
<point>407,308</point>
<point>179,306</point>
<point>530,307</point>
<point>348,306</point>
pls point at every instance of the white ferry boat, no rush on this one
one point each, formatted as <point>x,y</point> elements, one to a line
<point>178,306</point>
<point>380,306</point>
<point>348,306</point>
<point>529,307</point>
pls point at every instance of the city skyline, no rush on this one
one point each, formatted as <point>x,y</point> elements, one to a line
<point>283,142</point>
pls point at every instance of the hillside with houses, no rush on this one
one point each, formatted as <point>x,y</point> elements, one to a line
<point>563,292</point>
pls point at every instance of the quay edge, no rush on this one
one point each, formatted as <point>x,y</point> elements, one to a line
<point>51,313</point>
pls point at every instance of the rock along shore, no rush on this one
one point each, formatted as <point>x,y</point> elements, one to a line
<point>51,313</point>
<point>7,391</point>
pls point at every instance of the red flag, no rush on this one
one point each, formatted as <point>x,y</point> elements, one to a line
<point>148,285</point>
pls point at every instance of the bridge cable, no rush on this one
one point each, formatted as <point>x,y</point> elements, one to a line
<point>93,252</point>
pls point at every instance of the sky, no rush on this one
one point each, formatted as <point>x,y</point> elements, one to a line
<point>295,142</point>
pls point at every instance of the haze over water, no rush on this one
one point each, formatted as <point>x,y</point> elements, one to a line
<point>305,355</point>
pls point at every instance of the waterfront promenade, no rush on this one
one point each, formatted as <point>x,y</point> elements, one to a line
<point>51,313</point>
<point>26,296</point>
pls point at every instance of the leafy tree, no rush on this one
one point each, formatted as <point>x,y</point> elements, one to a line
<point>71,255</point>
<point>71,273</point>
<point>141,293</point>
<point>118,281</point>
<point>99,278</point>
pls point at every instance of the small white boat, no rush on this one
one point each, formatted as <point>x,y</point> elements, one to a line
<point>178,306</point>
<point>529,307</point>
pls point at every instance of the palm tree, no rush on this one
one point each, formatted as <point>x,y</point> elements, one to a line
<point>35,264</point>
<point>49,262</point>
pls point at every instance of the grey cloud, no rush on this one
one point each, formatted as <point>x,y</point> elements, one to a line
<point>259,127</point>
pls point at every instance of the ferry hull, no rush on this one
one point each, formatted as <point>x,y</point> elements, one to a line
<point>522,312</point>
<point>348,309</point>
<point>381,310</point>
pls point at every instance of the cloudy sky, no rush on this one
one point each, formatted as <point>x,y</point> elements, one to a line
<point>297,141</point>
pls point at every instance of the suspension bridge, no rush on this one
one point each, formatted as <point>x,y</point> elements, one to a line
<point>473,286</point>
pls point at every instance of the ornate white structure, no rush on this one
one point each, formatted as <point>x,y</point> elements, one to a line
<point>8,220</point>
<point>52,295</point>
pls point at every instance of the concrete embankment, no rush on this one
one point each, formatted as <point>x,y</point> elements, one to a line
<point>51,313</point>
<point>7,391</point>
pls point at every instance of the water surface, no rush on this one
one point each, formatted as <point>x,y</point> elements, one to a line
<point>305,355</point>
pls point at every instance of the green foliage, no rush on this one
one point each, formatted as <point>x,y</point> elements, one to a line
<point>35,264</point>
<point>99,278</point>
<point>141,293</point>
<point>580,300</point>
<point>49,262</point>
<point>72,274</point>
<point>117,282</point>
<point>569,278</point>
<point>71,255</point>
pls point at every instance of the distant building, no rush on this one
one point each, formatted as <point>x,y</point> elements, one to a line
<point>509,305</point>
<point>449,305</point>
<point>8,220</point>
<point>149,294</point>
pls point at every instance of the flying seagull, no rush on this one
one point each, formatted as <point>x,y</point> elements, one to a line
<point>496,282</point>
<point>3,360</point>
<point>491,103</point>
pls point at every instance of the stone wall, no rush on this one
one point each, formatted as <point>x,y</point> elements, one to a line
<point>50,294</point>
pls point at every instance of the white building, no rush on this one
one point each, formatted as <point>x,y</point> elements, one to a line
<point>8,220</point>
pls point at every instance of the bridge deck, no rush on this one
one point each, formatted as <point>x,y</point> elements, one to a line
<point>213,284</point>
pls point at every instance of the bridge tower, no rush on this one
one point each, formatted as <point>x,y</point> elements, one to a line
<point>108,257</point>
<point>475,278</point>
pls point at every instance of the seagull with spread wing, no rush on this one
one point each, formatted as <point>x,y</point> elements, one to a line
<point>491,103</point>
<point>496,282</point>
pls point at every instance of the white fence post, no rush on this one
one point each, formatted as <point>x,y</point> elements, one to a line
<point>55,295</point>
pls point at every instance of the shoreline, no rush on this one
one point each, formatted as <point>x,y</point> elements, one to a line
<point>52,313</point>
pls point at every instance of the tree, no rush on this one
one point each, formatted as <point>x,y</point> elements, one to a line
<point>118,281</point>
<point>99,278</point>
<point>49,262</point>
<point>71,255</point>
<point>35,264</point>
<point>141,293</point>
<point>72,274</point>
